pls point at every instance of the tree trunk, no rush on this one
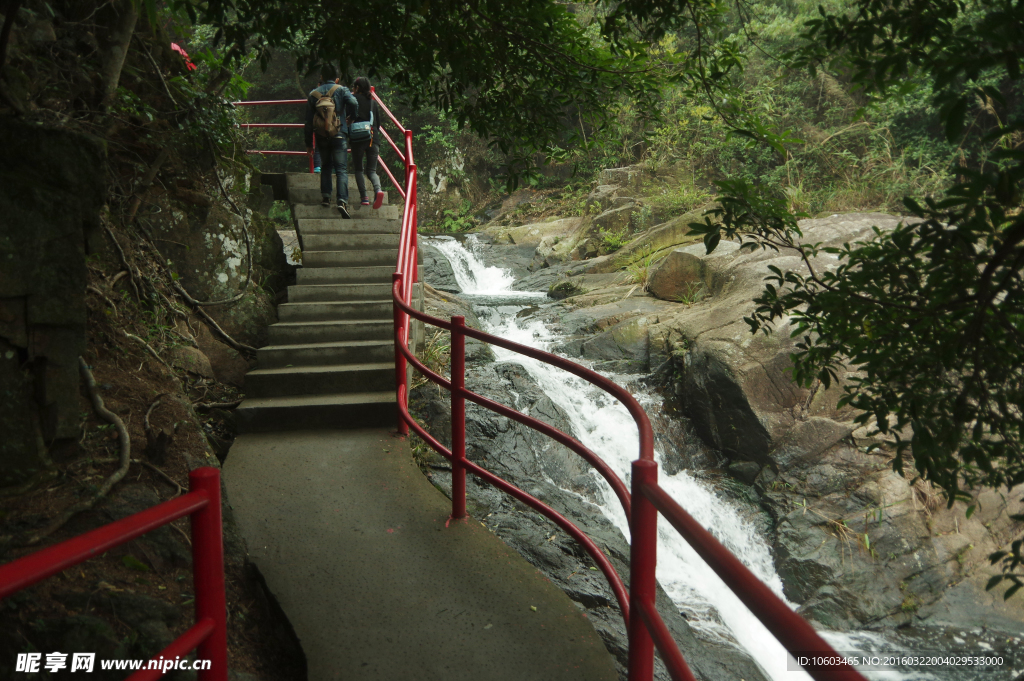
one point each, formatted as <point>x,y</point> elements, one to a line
<point>116,26</point>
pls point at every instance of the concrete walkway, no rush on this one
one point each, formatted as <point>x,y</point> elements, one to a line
<point>356,545</point>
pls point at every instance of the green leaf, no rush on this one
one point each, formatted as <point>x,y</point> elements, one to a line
<point>134,563</point>
<point>711,241</point>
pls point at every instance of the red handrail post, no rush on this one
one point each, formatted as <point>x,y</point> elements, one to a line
<point>208,574</point>
<point>643,530</point>
<point>409,162</point>
<point>400,364</point>
<point>458,417</point>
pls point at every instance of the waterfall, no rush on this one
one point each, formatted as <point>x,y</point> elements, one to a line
<point>601,423</point>
<point>471,274</point>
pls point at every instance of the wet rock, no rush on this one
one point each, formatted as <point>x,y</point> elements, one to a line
<point>436,270</point>
<point>747,471</point>
<point>628,340</point>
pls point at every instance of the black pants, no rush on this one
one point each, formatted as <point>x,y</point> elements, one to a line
<point>371,154</point>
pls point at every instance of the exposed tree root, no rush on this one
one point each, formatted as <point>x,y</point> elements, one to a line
<point>151,351</point>
<point>132,273</point>
<point>145,183</point>
<point>217,405</point>
<point>116,477</point>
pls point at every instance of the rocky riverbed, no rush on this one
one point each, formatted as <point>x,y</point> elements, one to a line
<point>857,548</point>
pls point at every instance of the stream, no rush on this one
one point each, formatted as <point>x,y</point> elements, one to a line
<point>603,424</point>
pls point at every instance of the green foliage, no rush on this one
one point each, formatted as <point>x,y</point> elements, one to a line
<point>930,314</point>
<point>565,288</point>
<point>613,241</point>
<point>639,271</point>
<point>692,292</point>
<point>455,219</point>
<point>483,65</point>
<point>281,213</point>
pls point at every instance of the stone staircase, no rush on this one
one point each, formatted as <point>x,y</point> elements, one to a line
<point>329,362</point>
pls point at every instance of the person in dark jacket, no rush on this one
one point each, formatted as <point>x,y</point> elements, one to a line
<point>333,151</point>
<point>370,149</point>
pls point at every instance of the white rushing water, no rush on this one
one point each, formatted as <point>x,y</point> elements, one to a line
<point>603,424</point>
<point>471,274</point>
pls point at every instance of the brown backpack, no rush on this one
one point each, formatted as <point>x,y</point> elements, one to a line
<point>325,119</point>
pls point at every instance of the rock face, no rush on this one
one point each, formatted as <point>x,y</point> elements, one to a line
<point>50,223</point>
<point>856,544</point>
<point>541,468</point>
<point>436,270</point>
<point>210,247</point>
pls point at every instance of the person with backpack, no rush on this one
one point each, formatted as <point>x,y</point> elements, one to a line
<point>364,137</point>
<point>330,107</point>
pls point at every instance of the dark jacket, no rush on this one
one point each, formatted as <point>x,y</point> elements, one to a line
<point>344,104</point>
<point>366,105</point>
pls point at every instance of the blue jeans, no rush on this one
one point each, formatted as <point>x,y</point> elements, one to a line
<point>334,154</point>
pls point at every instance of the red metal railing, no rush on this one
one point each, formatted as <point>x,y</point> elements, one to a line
<point>645,627</point>
<point>267,102</point>
<point>208,636</point>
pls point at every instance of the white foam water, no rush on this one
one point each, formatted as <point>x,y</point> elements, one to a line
<point>472,275</point>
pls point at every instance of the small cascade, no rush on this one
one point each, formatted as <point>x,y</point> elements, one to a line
<point>471,274</point>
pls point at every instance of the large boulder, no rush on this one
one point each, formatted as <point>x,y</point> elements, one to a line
<point>680,276</point>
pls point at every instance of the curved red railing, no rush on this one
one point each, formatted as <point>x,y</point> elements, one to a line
<point>646,629</point>
<point>208,636</point>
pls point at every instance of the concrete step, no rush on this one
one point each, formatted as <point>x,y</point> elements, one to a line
<point>308,412</point>
<point>305,182</point>
<point>349,242</point>
<point>303,211</point>
<point>365,258</point>
<point>313,333</point>
<point>346,352</point>
<point>313,195</point>
<point>338,225</point>
<point>308,180</point>
<point>321,379</point>
<point>313,276</point>
<point>338,292</point>
<point>330,311</point>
